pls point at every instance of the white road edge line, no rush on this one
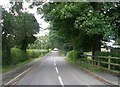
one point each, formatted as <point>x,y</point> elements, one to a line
<point>18,76</point>
<point>89,85</point>
<point>56,69</point>
<point>61,82</point>
<point>14,83</point>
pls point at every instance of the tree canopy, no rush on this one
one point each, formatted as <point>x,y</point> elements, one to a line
<point>83,24</point>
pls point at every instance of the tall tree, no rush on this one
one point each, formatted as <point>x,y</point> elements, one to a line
<point>18,29</point>
<point>78,21</point>
<point>7,37</point>
<point>25,27</point>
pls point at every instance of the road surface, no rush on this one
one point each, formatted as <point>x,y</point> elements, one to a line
<point>54,70</point>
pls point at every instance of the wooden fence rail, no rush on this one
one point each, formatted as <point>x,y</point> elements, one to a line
<point>98,61</point>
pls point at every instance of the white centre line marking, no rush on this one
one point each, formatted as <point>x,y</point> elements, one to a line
<point>61,82</point>
<point>56,69</point>
<point>54,61</point>
<point>54,64</point>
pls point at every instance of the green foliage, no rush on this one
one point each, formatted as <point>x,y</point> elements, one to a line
<point>102,54</point>
<point>18,29</point>
<point>111,54</point>
<point>42,42</point>
<point>76,22</point>
<point>115,52</point>
<point>35,53</point>
<point>89,66</point>
<point>7,38</point>
<point>18,55</point>
<point>93,23</point>
<point>83,25</point>
<point>25,27</point>
<point>73,56</point>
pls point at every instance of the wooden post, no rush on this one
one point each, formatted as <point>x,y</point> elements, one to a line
<point>98,63</point>
<point>79,61</point>
<point>92,60</point>
<point>109,63</point>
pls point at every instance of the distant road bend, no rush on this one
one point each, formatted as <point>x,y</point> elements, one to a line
<point>54,70</point>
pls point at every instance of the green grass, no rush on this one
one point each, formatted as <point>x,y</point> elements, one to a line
<point>88,53</point>
<point>89,66</point>
<point>10,67</point>
<point>19,58</point>
<point>85,63</point>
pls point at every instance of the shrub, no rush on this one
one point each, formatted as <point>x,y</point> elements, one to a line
<point>112,54</point>
<point>73,56</point>
<point>102,54</point>
<point>18,56</point>
<point>35,53</point>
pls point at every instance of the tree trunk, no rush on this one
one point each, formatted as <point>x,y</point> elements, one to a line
<point>24,45</point>
<point>96,46</point>
<point>6,53</point>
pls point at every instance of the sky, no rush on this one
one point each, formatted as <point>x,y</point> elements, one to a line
<point>42,23</point>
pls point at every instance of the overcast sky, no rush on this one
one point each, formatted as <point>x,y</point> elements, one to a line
<point>43,24</point>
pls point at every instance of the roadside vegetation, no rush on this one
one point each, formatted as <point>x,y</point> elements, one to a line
<point>19,58</point>
<point>75,29</point>
<point>19,43</point>
<point>74,58</point>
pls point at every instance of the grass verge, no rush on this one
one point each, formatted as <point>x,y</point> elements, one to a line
<point>84,65</point>
<point>10,67</point>
<point>89,66</point>
<point>83,62</point>
<point>32,54</point>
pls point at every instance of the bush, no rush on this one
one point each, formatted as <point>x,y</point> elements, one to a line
<point>73,56</point>
<point>18,56</point>
<point>102,54</point>
<point>115,52</point>
<point>36,53</point>
<point>112,54</point>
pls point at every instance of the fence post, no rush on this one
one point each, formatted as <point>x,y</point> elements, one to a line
<point>92,61</point>
<point>109,63</point>
<point>98,63</point>
<point>79,61</point>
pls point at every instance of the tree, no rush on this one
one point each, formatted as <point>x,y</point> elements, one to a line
<point>112,12</point>
<point>18,29</point>
<point>78,21</point>
<point>42,42</point>
<point>25,27</point>
<point>7,38</point>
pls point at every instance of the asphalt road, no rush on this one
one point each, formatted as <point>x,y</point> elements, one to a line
<point>54,70</point>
